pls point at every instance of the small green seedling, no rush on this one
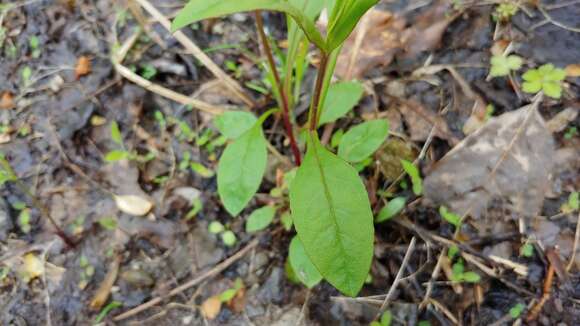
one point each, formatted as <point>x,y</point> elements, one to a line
<point>516,311</point>
<point>26,76</point>
<point>34,44</point>
<point>505,11</point>
<point>527,250</point>
<point>502,65</point>
<point>87,272</point>
<point>393,207</point>
<point>386,320</point>
<point>122,154</point>
<point>148,71</point>
<point>572,204</point>
<point>415,176</point>
<point>460,275</point>
<point>571,133</point>
<point>546,78</point>
<point>108,223</point>
<point>260,219</point>
<point>450,217</point>
<point>228,237</point>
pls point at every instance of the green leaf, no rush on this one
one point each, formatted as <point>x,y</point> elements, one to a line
<point>116,155</point>
<point>332,215</point>
<point>233,124</point>
<point>449,216</point>
<point>393,208</point>
<point>286,220</point>
<point>345,15</point>
<point>532,87</point>
<point>471,277</point>
<point>574,200</point>
<point>386,318</point>
<point>241,168</point>
<point>301,264</point>
<point>116,133</point>
<point>197,10</point>
<point>452,252</point>
<point>501,65</point>
<point>527,250</point>
<point>416,179</point>
<point>215,227</point>
<point>552,89</point>
<point>340,99</point>
<point>229,238</point>
<point>201,170</point>
<point>517,310</point>
<point>108,223</point>
<point>363,140</point>
<point>228,295</point>
<point>260,218</point>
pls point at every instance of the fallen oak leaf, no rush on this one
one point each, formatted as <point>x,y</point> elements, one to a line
<point>133,205</point>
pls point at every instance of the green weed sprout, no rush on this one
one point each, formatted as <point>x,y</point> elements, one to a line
<point>503,65</point>
<point>546,78</point>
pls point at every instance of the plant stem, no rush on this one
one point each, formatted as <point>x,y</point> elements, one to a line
<point>314,105</point>
<point>284,97</point>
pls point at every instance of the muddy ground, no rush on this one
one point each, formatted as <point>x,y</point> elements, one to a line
<point>56,119</point>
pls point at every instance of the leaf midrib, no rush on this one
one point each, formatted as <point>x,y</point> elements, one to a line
<point>331,206</point>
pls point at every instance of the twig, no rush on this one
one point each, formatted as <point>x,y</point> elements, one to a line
<point>303,309</point>
<point>166,92</point>
<point>210,273</point>
<point>575,247</point>
<point>282,93</point>
<point>537,308</point>
<point>136,11</point>
<point>549,19</point>
<point>398,277</point>
<point>198,53</point>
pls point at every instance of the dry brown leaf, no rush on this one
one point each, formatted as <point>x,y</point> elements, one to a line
<point>421,120</point>
<point>104,289</point>
<point>238,303</point>
<point>573,70</point>
<point>462,180</point>
<point>6,101</point>
<point>561,120</point>
<point>211,307</point>
<point>133,205</point>
<point>83,67</point>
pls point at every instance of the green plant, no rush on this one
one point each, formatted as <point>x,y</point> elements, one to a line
<point>386,320</point>
<point>121,154</point>
<point>228,237</point>
<point>503,65</point>
<point>571,132</point>
<point>546,78</point>
<point>505,11</point>
<point>328,201</point>
<point>393,207</point>
<point>460,275</point>
<point>516,311</point>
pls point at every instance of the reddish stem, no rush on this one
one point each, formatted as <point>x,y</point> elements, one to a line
<point>283,95</point>
<point>313,113</point>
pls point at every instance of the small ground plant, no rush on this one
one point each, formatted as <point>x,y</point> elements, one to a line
<point>329,204</point>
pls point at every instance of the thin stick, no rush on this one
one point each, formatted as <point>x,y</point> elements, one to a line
<point>211,273</point>
<point>165,92</point>
<point>575,247</point>
<point>391,292</point>
<point>281,91</point>
<point>198,53</point>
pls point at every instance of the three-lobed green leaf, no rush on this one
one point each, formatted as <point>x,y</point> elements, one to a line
<point>340,99</point>
<point>197,10</point>
<point>363,140</point>
<point>260,218</point>
<point>241,168</point>
<point>233,124</point>
<point>333,218</point>
<point>301,264</point>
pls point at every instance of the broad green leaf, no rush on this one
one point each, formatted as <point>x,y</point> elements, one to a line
<point>363,140</point>
<point>301,264</point>
<point>241,168</point>
<point>416,179</point>
<point>260,218</point>
<point>394,206</point>
<point>332,215</point>
<point>197,10</point>
<point>340,99</point>
<point>233,124</point>
<point>116,155</point>
<point>116,133</point>
<point>552,89</point>
<point>345,16</point>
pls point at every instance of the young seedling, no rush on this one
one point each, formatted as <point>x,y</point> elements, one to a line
<point>502,65</point>
<point>329,203</point>
<point>546,78</point>
<point>505,11</point>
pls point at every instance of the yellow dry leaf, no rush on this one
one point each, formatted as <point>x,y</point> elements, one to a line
<point>133,205</point>
<point>211,307</point>
<point>83,67</point>
<point>573,70</point>
<point>32,267</point>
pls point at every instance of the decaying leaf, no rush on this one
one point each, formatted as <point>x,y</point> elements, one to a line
<point>421,120</point>
<point>211,307</point>
<point>561,120</point>
<point>390,156</point>
<point>510,157</point>
<point>83,67</point>
<point>32,267</point>
<point>6,101</point>
<point>573,70</point>
<point>104,289</point>
<point>133,205</point>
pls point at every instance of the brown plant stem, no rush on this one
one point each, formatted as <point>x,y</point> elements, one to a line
<point>281,91</point>
<point>313,113</point>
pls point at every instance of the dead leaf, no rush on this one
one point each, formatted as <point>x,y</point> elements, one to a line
<point>211,307</point>
<point>573,70</point>
<point>5,138</point>
<point>6,101</point>
<point>374,42</point>
<point>238,303</point>
<point>390,156</point>
<point>104,290</point>
<point>83,67</point>
<point>561,120</point>
<point>420,121</point>
<point>32,267</point>
<point>462,179</point>
<point>133,205</point>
